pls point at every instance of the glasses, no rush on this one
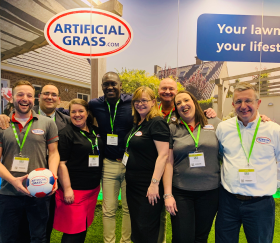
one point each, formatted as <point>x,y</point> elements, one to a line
<point>247,102</point>
<point>144,102</point>
<point>47,94</point>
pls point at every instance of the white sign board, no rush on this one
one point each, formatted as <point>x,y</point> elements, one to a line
<point>90,33</point>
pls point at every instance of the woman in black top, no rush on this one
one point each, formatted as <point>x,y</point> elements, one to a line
<point>147,152</point>
<point>79,173</point>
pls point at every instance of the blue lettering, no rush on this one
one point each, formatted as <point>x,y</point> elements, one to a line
<point>66,42</point>
<point>85,41</point>
<point>58,28</point>
<point>101,40</point>
<point>92,29</point>
<point>97,27</point>
<point>105,29</point>
<point>112,30</point>
<point>67,27</point>
<point>81,28</point>
<point>87,27</point>
<point>75,26</point>
<point>76,39</point>
<point>93,39</point>
<point>120,33</point>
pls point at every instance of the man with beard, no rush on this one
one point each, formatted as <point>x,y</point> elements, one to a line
<point>49,99</point>
<point>30,136</point>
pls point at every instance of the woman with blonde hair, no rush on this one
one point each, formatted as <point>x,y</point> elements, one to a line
<point>145,159</point>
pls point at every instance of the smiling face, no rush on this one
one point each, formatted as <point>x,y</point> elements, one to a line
<point>49,99</point>
<point>167,90</point>
<point>246,105</point>
<point>144,105</point>
<point>78,116</point>
<point>23,100</point>
<point>185,107</point>
<point>111,86</point>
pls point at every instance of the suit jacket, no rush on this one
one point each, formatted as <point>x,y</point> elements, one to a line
<point>61,120</point>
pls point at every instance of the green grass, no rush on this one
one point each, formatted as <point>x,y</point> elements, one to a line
<point>95,231</point>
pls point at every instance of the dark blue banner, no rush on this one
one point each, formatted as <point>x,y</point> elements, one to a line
<point>241,38</point>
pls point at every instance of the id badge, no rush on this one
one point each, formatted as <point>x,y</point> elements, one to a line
<point>247,176</point>
<point>93,161</point>
<point>125,158</point>
<point>112,139</point>
<point>20,164</point>
<point>197,159</point>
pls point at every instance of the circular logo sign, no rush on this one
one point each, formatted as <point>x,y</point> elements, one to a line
<point>89,33</point>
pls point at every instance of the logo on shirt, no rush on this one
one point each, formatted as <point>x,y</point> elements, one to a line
<point>139,133</point>
<point>263,140</point>
<point>38,131</point>
<point>97,135</point>
<point>174,118</point>
<point>208,127</point>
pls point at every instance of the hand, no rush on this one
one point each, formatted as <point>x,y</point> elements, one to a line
<point>55,186</point>
<point>152,193</point>
<point>265,118</point>
<point>68,195</point>
<point>4,121</point>
<point>17,184</point>
<point>170,205</point>
<point>210,113</point>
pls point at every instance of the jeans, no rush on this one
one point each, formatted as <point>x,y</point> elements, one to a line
<point>12,208</point>
<point>257,216</point>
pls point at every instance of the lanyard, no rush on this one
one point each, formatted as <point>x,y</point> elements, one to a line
<point>46,116</point>
<point>253,141</point>
<point>92,145</point>
<point>198,133</point>
<point>112,121</point>
<point>168,118</point>
<point>25,136</point>
<point>131,135</point>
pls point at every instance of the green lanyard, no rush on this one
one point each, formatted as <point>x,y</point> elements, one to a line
<point>25,136</point>
<point>92,145</point>
<point>198,133</point>
<point>160,108</point>
<point>112,121</point>
<point>131,135</point>
<point>49,117</point>
<point>253,141</point>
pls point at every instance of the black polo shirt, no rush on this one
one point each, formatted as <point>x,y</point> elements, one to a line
<point>74,148</point>
<point>142,149</point>
<point>123,123</point>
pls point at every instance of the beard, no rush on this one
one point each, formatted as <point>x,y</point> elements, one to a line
<point>19,110</point>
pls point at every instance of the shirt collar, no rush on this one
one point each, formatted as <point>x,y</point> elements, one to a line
<point>190,126</point>
<point>251,124</point>
<point>44,114</point>
<point>32,116</point>
<point>165,114</point>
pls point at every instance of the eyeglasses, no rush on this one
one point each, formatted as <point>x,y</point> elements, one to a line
<point>47,94</point>
<point>247,102</point>
<point>144,102</point>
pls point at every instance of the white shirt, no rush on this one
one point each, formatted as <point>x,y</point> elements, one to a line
<point>264,157</point>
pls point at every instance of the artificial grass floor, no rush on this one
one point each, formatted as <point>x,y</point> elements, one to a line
<point>95,231</point>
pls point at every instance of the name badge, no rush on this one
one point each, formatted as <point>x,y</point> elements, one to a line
<point>93,161</point>
<point>20,164</point>
<point>125,158</point>
<point>197,159</point>
<point>247,176</point>
<point>112,139</point>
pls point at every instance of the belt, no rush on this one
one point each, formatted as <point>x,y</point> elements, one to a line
<point>243,197</point>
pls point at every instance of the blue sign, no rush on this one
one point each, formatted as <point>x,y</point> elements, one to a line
<point>241,38</point>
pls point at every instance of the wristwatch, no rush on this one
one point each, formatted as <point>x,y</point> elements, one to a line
<point>154,180</point>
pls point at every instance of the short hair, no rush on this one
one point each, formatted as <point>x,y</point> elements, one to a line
<point>136,96</point>
<point>22,82</point>
<point>199,116</point>
<point>111,73</point>
<point>84,104</point>
<point>245,86</point>
<point>49,84</point>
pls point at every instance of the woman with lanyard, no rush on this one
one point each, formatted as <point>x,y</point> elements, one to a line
<point>192,173</point>
<point>79,174</point>
<point>145,158</point>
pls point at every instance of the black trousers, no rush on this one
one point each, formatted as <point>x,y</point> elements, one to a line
<point>196,212</point>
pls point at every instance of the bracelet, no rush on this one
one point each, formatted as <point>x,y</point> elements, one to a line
<point>166,196</point>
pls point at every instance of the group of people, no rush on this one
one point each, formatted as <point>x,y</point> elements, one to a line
<point>171,156</point>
